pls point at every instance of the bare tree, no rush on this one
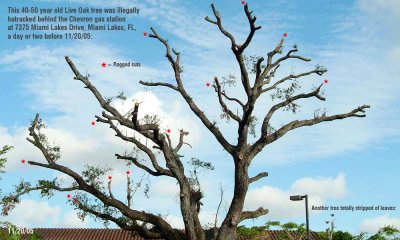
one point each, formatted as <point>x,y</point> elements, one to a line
<point>257,79</point>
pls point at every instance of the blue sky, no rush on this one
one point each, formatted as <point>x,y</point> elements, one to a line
<point>348,162</point>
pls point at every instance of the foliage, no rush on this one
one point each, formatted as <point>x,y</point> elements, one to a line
<point>9,231</point>
<point>151,119</point>
<point>229,81</point>
<point>197,164</point>
<point>47,187</point>
<point>290,230</point>
<point>343,235</point>
<point>4,160</point>
<point>252,125</point>
<point>386,233</point>
<point>251,63</point>
<point>252,232</point>
<point>287,93</point>
<point>121,95</point>
<point>92,175</point>
<point>53,150</point>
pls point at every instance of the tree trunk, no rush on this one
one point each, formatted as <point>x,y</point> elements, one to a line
<point>232,219</point>
<point>193,229</point>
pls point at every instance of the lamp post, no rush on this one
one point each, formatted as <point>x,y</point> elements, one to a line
<point>299,198</point>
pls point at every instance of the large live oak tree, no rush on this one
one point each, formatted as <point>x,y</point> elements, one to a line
<point>256,78</point>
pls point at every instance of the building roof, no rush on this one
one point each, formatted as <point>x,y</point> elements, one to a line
<point>84,234</point>
<point>119,234</point>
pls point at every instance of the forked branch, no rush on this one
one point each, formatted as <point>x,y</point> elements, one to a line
<point>189,100</point>
<point>319,72</point>
<point>285,103</point>
<point>266,138</point>
<point>218,90</point>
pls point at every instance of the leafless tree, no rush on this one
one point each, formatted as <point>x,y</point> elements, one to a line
<point>256,80</point>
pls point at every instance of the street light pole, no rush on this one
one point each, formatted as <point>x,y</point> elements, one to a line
<point>299,198</point>
<point>307,221</point>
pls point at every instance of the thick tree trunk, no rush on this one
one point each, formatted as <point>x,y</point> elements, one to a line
<point>232,219</point>
<point>193,229</point>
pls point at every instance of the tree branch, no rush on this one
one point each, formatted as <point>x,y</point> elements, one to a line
<point>57,188</point>
<point>290,77</point>
<point>288,101</point>
<point>237,50</point>
<point>119,221</point>
<point>218,90</point>
<point>37,142</point>
<point>159,170</point>
<point>253,214</point>
<point>128,190</point>
<point>189,100</point>
<point>258,177</point>
<point>221,28</point>
<point>109,189</point>
<point>139,165</point>
<point>253,29</point>
<point>270,75</point>
<point>153,84</point>
<point>133,214</point>
<point>288,55</point>
<point>182,134</point>
<point>269,138</point>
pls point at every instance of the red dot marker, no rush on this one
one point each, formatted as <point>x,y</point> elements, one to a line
<point>243,2</point>
<point>68,196</point>
<point>103,65</point>
<point>23,161</point>
<point>285,35</point>
<point>208,84</point>
<point>128,172</point>
<point>109,178</point>
<point>93,123</point>
<point>168,130</point>
<point>326,81</point>
<point>145,34</point>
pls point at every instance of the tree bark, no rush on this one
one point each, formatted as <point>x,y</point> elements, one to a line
<point>232,219</point>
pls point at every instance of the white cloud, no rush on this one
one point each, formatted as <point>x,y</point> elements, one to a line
<point>323,187</point>
<point>277,200</point>
<point>381,8</point>
<point>372,225</point>
<point>164,188</point>
<point>71,220</point>
<point>30,213</point>
<point>175,221</point>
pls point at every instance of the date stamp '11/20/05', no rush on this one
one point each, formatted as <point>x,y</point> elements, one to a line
<point>20,230</point>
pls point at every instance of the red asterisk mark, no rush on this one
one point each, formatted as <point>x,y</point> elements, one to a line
<point>109,178</point>
<point>103,65</point>
<point>168,130</point>
<point>23,161</point>
<point>128,172</point>
<point>93,123</point>
<point>145,34</point>
<point>243,2</point>
<point>326,81</point>
<point>68,196</point>
<point>208,84</point>
<point>285,35</point>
